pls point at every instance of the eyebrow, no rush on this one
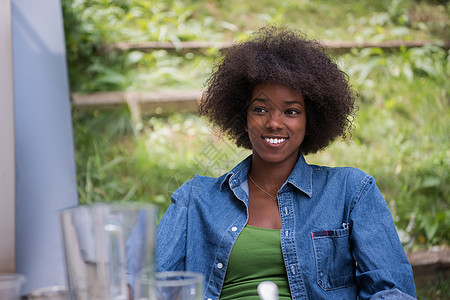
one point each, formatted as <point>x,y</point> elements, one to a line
<point>259,100</point>
<point>293,102</point>
<point>264,100</point>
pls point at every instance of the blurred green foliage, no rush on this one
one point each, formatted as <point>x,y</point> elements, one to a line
<point>93,26</point>
<point>401,130</point>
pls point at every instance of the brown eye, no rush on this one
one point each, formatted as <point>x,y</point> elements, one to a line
<point>292,112</point>
<point>259,109</point>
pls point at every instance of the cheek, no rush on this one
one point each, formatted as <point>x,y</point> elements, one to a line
<point>298,124</point>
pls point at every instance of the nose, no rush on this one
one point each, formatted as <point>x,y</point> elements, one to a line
<point>274,121</point>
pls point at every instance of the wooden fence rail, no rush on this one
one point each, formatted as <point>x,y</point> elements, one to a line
<point>140,103</point>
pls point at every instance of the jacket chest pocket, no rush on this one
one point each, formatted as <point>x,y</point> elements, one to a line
<point>334,264</point>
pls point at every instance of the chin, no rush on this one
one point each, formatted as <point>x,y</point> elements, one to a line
<point>277,159</point>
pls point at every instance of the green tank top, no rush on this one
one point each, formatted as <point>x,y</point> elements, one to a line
<point>256,256</point>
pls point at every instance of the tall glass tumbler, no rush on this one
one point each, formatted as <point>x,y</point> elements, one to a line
<point>106,246</point>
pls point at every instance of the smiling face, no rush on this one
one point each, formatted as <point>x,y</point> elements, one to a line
<point>276,123</point>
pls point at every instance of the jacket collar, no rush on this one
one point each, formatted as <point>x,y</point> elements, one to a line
<point>300,177</point>
<point>238,174</point>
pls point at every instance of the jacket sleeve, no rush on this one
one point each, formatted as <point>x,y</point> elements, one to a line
<point>171,234</point>
<point>382,267</point>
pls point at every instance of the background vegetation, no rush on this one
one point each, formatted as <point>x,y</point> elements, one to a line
<point>401,130</point>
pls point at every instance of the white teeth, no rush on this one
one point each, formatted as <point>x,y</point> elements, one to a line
<point>275,140</point>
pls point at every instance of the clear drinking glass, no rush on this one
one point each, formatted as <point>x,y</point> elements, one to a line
<point>104,245</point>
<point>10,286</point>
<point>175,285</point>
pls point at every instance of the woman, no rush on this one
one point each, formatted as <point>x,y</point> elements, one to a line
<point>317,232</point>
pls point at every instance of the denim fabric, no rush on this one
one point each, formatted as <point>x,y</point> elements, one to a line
<point>338,238</point>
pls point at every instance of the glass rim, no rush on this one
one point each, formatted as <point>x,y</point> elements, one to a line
<point>132,206</point>
<point>53,290</point>
<point>188,278</point>
<point>11,278</point>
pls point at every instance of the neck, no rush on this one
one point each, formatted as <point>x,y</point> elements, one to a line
<point>270,175</point>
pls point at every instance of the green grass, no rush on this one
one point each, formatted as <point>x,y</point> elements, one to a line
<point>334,20</point>
<point>436,289</point>
<point>116,163</point>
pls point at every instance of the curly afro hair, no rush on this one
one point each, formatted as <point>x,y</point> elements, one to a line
<point>283,56</point>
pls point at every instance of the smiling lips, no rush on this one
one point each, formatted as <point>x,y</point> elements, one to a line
<point>275,141</point>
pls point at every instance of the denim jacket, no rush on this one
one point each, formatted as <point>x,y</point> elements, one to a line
<point>338,239</point>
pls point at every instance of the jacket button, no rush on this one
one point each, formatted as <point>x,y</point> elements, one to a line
<point>219,266</point>
<point>234,228</point>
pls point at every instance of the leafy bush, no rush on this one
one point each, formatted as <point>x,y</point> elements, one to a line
<point>93,26</point>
